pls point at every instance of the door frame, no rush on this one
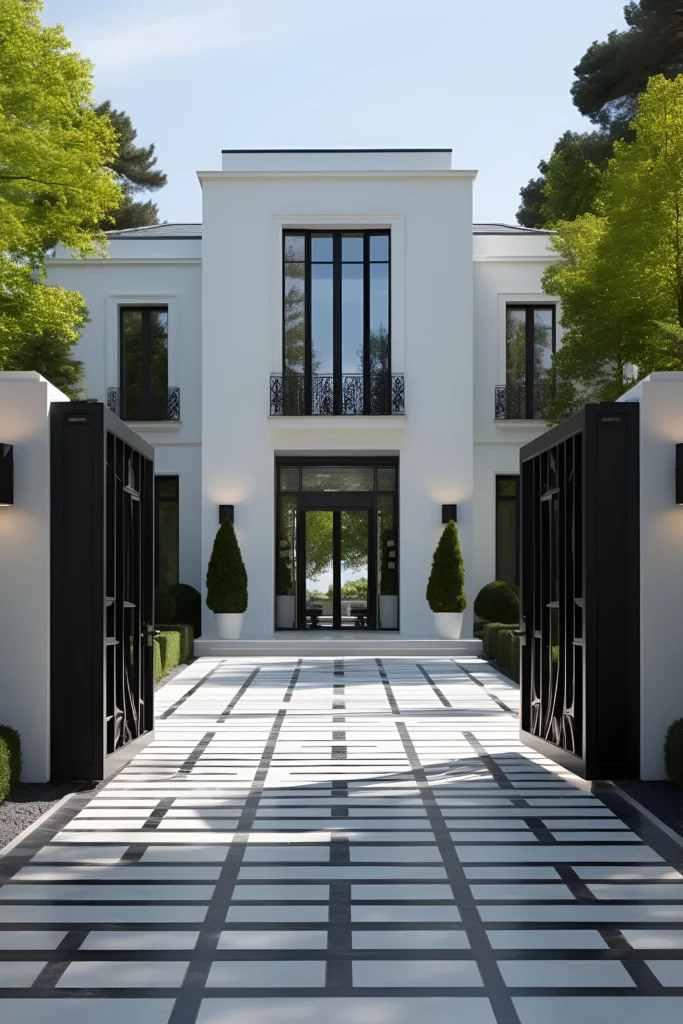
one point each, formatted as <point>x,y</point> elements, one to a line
<point>337,502</point>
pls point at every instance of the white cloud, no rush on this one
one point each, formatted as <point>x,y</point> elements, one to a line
<point>221,24</point>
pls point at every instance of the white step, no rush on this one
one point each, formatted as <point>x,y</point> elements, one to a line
<point>353,644</point>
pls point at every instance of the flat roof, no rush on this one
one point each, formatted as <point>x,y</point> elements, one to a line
<point>194,230</point>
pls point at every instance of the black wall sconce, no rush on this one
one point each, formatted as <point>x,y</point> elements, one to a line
<point>449,512</point>
<point>6,474</point>
<point>226,512</point>
<point>679,474</point>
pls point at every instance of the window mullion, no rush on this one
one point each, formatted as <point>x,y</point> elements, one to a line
<point>530,382</point>
<point>337,323</point>
<point>366,324</point>
<point>146,367</point>
<point>308,375</point>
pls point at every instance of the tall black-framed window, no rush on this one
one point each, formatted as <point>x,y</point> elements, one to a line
<point>336,322</point>
<point>507,529</point>
<point>143,375</point>
<point>529,347</point>
<point>166,530</point>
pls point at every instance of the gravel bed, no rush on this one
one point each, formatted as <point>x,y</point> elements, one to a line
<point>171,675</point>
<point>26,803</point>
<point>663,799</point>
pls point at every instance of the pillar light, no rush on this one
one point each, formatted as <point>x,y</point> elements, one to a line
<point>449,512</point>
<point>226,512</point>
<point>6,474</point>
<point>679,474</point>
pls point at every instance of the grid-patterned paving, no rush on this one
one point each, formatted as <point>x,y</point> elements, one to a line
<point>342,841</point>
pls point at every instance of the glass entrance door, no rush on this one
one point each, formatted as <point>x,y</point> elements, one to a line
<point>338,585</point>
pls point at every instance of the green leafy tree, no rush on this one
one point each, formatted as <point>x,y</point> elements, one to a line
<point>612,74</point>
<point>226,576</point>
<point>355,589</point>
<point>136,172</point>
<point>609,79</point>
<point>55,186</point>
<point>446,586</point>
<point>621,280</point>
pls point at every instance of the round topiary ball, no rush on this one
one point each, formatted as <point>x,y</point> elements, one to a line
<point>497,602</point>
<point>164,606</point>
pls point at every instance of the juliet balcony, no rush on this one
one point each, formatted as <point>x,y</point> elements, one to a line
<point>348,394</point>
<point>160,405</point>
<point>520,401</point>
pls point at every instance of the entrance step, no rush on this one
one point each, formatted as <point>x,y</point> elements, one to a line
<point>349,645</point>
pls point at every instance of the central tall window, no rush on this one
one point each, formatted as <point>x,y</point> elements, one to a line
<point>144,362</point>
<point>336,329</point>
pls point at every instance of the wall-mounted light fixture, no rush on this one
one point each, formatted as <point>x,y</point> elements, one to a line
<point>449,512</point>
<point>6,474</point>
<point>679,474</point>
<point>226,512</point>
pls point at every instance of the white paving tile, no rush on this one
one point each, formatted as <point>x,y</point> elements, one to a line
<point>564,974</point>
<point>358,1010</point>
<point>259,974</point>
<point>86,1011</point>
<point>416,974</point>
<point>599,1010</point>
<point>123,974</point>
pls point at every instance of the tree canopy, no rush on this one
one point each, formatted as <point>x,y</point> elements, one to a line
<point>55,186</point>
<point>609,78</point>
<point>621,281</point>
<point>136,172</point>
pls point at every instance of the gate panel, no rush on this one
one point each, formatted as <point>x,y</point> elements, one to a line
<point>102,591</point>
<point>579,593</point>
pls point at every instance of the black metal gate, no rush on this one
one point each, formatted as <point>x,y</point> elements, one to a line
<point>102,591</point>
<point>580,673</point>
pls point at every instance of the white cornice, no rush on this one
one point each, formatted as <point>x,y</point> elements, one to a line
<point>549,257</point>
<point>103,261</point>
<point>333,175</point>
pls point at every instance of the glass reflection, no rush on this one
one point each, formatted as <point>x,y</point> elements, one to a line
<point>379,247</point>
<point>337,478</point>
<point>352,318</point>
<point>352,248</point>
<point>321,248</point>
<point>322,319</point>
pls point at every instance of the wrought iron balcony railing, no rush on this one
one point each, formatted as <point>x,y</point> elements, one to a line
<point>132,407</point>
<point>519,402</point>
<point>352,394</point>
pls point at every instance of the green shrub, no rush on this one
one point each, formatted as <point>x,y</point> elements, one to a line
<point>157,661</point>
<point>186,638</point>
<point>188,606</point>
<point>10,760</point>
<point>446,587</point>
<point>12,740</point>
<point>508,653</point>
<point>164,605</point>
<point>226,576</point>
<point>497,602</point>
<point>673,751</point>
<point>169,643</point>
<point>490,637</point>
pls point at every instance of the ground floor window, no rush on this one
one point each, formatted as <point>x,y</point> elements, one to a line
<point>336,555</point>
<point>166,530</point>
<point>507,529</point>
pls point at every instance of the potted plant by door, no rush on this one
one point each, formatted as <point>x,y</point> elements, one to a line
<point>226,583</point>
<point>446,587</point>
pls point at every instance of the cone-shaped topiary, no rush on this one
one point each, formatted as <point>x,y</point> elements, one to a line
<point>446,587</point>
<point>673,751</point>
<point>226,577</point>
<point>497,602</point>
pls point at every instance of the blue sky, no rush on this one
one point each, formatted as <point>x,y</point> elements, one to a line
<point>489,78</point>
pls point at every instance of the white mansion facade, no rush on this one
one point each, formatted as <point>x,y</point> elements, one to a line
<point>335,353</point>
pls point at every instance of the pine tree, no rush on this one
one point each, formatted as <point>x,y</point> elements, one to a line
<point>135,170</point>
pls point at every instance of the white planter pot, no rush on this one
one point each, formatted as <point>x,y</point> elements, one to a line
<point>448,625</point>
<point>228,625</point>
<point>285,611</point>
<point>388,611</point>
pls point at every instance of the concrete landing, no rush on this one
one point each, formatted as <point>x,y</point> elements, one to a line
<point>326,643</point>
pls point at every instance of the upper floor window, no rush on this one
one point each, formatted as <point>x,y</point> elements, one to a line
<point>529,348</point>
<point>143,377</point>
<point>336,323</point>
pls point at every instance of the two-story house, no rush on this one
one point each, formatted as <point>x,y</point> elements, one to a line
<point>337,352</point>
